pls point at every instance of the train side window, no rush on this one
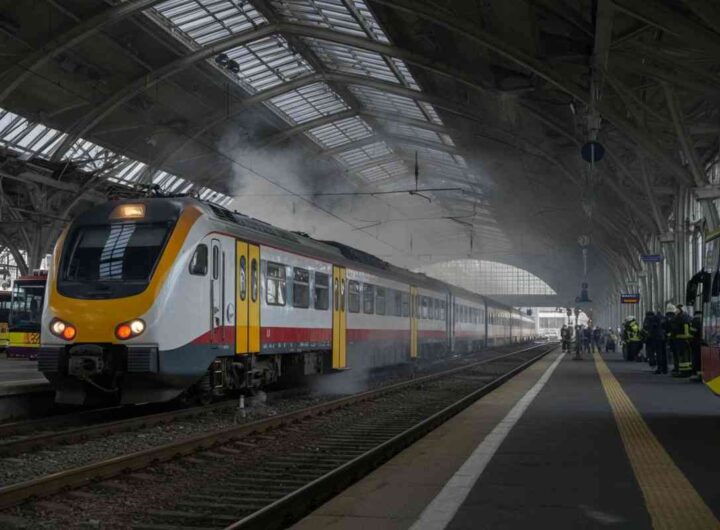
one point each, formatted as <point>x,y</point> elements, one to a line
<point>242,277</point>
<point>353,296</point>
<point>380,300</point>
<point>423,307</point>
<point>322,291</point>
<point>254,280</point>
<point>405,304</point>
<point>443,313</point>
<point>436,307</point>
<point>368,298</point>
<point>301,288</point>
<point>336,293</point>
<point>343,305</point>
<point>397,310</point>
<point>275,284</point>
<point>199,261</point>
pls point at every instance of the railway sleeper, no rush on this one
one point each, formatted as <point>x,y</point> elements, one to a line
<point>225,508</point>
<point>165,515</point>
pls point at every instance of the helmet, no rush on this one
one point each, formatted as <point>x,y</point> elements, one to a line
<point>670,308</point>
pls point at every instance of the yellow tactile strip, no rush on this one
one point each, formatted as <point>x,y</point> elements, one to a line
<point>670,499</point>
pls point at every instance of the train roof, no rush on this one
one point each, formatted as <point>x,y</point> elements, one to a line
<point>334,251</point>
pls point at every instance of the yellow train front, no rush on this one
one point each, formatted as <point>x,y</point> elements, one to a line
<point>152,299</point>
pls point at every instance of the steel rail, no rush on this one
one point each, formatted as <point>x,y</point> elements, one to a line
<point>294,506</point>
<point>18,493</point>
<point>44,440</point>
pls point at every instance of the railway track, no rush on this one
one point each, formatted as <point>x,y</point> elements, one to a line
<point>43,433</point>
<point>269,472</point>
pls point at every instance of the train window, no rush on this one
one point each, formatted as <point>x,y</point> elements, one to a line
<point>275,284</point>
<point>336,293</point>
<point>380,300</point>
<point>423,307</point>
<point>199,261</point>
<point>368,298</point>
<point>436,307</point>
<point>353,296</point>
<point>443,312</point>
<point>397,309</point>
<point>216,263</point>
<point>342,294</point>
<point>322,291</point>
<point>254,280</point>
<point>405,304</point>
<point>301,288</point>
<point>242,278</point>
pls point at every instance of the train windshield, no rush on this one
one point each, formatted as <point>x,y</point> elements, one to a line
<point>26,305</point>
<point>110,261</point>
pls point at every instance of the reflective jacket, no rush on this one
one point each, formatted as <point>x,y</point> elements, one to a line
<point>632,332</point>
<point>680,326</point>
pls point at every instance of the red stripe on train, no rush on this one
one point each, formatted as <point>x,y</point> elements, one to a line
<point>273,334</point>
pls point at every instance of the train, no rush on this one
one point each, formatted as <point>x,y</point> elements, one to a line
<point>5,299</point>
<point>155,299</point>
<point>26,306</point>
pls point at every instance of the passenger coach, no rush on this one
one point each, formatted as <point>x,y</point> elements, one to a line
<point>152,299</point>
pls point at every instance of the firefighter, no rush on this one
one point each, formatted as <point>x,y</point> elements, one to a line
<point>633,338</point>
<point>681,336</point>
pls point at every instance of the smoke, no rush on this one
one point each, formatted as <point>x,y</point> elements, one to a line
<point>350,381</point>
<point>281,186</point>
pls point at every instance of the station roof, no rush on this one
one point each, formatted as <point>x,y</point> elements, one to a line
<point>339,107</point>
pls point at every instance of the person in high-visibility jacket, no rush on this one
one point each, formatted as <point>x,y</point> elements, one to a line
<point>633,338</point>
<point>680,334</point>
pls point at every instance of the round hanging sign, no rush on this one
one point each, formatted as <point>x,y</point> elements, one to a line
<point>592,151</point>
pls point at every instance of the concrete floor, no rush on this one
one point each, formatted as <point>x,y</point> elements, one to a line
<point>563,465</point>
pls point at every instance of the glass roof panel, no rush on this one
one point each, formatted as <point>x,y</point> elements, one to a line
<point>19,135</point>
<point>386,171</point>
<point>266,63</point>
<point>205,21</point>
<point>409,131</point>
<point>352,60</point>
<point>308,103</point>
<point>363,154</point>
<point>130,173</point>
<point>340,132</point>
<point>379,101</point>
<point>346,16</point>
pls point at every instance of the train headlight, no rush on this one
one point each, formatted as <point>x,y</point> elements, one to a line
<point>62,329</point>
<point>129,330</point>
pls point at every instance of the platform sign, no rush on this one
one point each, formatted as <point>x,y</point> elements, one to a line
<point>652,258</point>
<point>629,298</point>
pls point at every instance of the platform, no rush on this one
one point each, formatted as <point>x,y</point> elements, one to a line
<point>559,463</point>
<point>23,390</point>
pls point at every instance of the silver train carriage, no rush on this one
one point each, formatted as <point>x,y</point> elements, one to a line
<point>151,299</point>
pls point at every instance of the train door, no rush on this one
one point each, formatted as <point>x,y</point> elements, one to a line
<point>217,292</point>
<point>413,322</point>
<point>247,328</point>
<point>339,340</point>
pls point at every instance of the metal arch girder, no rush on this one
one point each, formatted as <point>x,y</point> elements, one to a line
<point>671,21</point>
<point>150,79</point>
<point>362,113</point>
<point>70,38</point>
<point>391,138</point>
<point>301,30</point>
<point>541,69</point>
<point>348,79</point>
<point>307,126</point>
<point>707,11</point>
